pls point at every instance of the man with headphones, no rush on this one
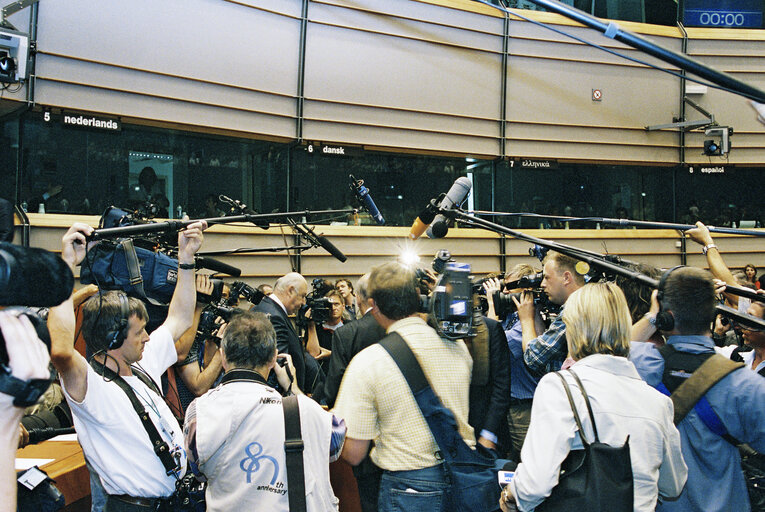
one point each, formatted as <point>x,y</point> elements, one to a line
<point>138,471</point>
<point>730,412</point>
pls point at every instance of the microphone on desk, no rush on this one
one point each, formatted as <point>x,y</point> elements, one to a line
<point>362,193</point>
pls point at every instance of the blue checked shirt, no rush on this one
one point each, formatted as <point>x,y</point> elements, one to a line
<point>546,352</point>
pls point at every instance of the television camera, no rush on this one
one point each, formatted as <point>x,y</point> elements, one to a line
<point>220,307</point>
<point>320,306</point>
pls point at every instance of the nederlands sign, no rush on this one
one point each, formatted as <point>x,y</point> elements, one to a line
<point>78,120</point>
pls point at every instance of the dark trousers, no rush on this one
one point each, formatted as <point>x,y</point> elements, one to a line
<point>368,481</point>
<point>114,504</point>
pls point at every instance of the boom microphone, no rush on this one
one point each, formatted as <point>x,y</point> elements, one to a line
<point>423,220</point>
<point>43,434</point>
<point>459,191</point>
<point>362,193</point>
<point>217,266</point>
<point>330,248</point>
<point>30,276</point>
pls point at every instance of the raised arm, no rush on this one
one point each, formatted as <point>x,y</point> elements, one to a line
<point>180,314</point>
<point>70,364</point>
<point>700,234</point>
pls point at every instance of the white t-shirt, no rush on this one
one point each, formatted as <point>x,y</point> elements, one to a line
<point>112,436</point>
<point>240,443</point>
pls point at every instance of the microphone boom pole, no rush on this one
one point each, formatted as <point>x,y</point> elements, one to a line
<point>591,258</point>
<point>178,225</point>
<point>670,225</point>
<point>627,222</point>
<point>613,31</point>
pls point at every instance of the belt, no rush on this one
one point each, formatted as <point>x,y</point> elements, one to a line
<point>519,401</point>
<point>140,501</point>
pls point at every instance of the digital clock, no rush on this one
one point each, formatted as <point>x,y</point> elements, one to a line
<point>723,14</point>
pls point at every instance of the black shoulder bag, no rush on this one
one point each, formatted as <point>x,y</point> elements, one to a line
<point>597,478</point>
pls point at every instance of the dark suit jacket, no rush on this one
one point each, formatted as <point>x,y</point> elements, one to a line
<point>347,341</point>
<point>6,221</point>
<point>287,339</point>
<point>489,404</point>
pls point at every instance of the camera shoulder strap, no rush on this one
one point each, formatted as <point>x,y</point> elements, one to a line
<point>160,447</point>
<point>690,393</point>
<point>293,446</point>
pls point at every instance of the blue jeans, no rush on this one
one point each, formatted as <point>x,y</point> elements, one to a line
<point>418,490</point>
<point>97,492</point>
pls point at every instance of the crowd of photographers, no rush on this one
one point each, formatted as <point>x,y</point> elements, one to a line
<point>204,391</point>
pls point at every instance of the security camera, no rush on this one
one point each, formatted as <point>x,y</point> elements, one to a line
<point>712,147</point>
<point>14,53</point>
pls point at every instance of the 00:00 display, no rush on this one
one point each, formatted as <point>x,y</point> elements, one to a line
<point>726,19</point>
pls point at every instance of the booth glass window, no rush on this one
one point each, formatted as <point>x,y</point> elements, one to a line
<point>83,171</point>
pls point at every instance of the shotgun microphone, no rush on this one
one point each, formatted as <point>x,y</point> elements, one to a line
<point>362,193</point>
<point>457,193</point>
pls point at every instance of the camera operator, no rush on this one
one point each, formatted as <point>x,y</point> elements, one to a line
<point>235,433</point>
<point>522,382</point>
<point>289,295</point>
<point>28,359</point>
<point>545,350</point>
<point>198,377</point>
<point>326,328</point>
<point>105,397</point>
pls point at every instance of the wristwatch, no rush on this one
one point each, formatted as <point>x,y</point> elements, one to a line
<point>707,247</point>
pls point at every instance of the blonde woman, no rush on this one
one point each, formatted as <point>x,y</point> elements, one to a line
<point>598,327</point>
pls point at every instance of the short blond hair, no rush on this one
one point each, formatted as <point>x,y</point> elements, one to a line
<point>597,321</point>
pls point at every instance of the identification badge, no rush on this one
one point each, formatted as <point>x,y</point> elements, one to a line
<point>505,477</point>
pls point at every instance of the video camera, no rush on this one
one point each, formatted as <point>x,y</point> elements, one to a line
<point>29,277</point>
<point>505,305</point>
<point>320,306</point>
<point>222,307</point>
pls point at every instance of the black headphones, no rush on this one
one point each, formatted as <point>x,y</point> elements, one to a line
<point>664,319</point>
<point>116,337</point>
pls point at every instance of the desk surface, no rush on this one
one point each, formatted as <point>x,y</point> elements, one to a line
<point>67,468</point>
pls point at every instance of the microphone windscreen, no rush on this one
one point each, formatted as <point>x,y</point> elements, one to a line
<point>218,266</point>
<point>330,248</point>
<point>438,229</point>
<point>30,276</point>
<point>418,228</point>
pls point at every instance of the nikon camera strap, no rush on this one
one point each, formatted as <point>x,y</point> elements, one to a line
<point>293,446</point>
<point>160,447</point>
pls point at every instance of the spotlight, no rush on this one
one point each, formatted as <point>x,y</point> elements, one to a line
<point>409,257</point>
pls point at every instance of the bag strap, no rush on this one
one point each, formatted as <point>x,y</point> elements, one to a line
<point>293,446</point>
<point>134,270</point>
<point>696,386</point>
<point>406,361</point>
<point>161,448</point>
<point>586,401</point>
<point>573,408</point>
<point>439,418</point>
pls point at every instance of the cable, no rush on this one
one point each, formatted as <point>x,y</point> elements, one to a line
<point>614,52</point>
